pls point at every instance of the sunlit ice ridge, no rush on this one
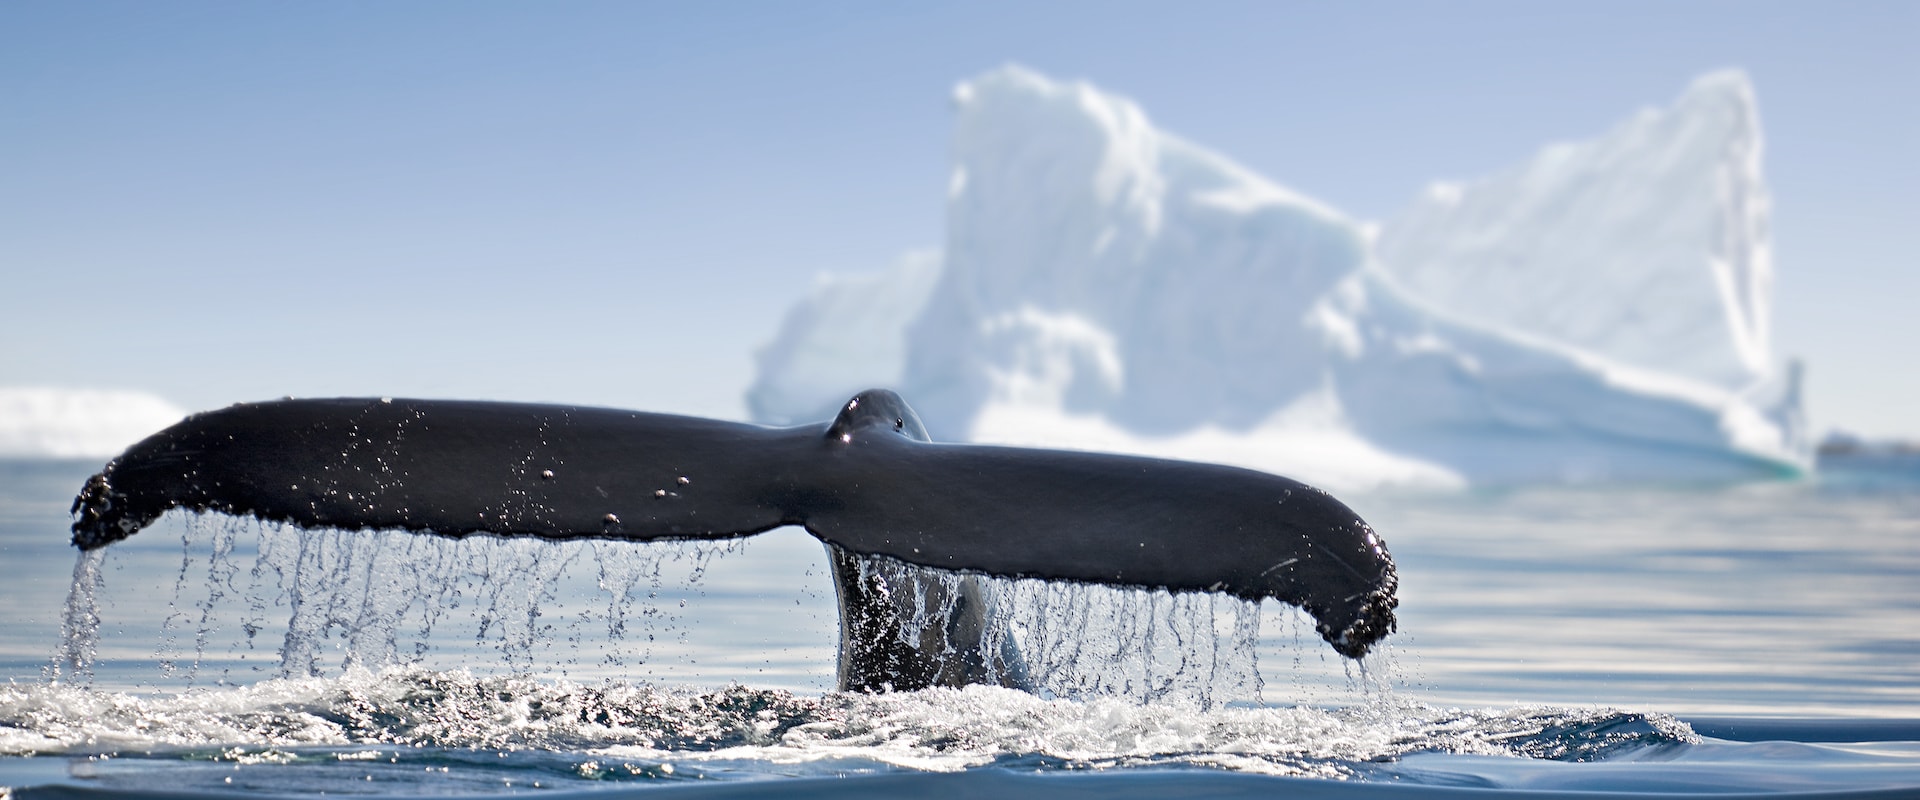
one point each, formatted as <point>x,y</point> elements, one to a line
<point>1598,313</point>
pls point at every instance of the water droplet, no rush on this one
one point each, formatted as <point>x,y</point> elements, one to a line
<point>546,474</point>
<point>659,493</point>
<point>613,519</point>
<point>684,480</point>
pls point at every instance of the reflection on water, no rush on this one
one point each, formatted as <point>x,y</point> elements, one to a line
<point>1765,599</point>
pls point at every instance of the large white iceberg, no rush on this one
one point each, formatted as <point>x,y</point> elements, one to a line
<point>1599,313</point>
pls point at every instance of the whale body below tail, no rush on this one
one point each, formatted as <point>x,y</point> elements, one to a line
<point>869,485</point>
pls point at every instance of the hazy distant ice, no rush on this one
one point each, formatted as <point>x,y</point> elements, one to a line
<point>827,343</point>
<point>77,423</point>
<point>1597,313</point>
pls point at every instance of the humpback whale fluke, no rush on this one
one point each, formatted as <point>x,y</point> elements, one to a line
<point>870,485</point>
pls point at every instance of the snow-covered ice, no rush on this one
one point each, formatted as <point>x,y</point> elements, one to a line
<point>1598,313</point>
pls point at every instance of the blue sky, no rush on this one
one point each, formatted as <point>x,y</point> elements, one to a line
<point>613,203</point>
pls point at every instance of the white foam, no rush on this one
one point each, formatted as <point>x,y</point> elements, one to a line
<point>644,729</point>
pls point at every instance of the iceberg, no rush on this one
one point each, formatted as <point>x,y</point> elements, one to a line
<point>1648,245</point>
<point>1099,266</point>
<point>1599,313</point>
<point>845,337</point>
<point>1500,407</point>
<point>38,422</point>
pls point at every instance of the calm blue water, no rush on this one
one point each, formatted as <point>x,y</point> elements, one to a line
<point>1752,640</point>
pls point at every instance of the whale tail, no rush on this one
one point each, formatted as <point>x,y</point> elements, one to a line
<point>869,485</point>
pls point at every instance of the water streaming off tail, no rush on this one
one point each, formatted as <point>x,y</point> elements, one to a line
<point>1073,640</point>
<point>374,599</point>
<point>251,600</point>
<point>1091,640</point>
<point>80,625</point>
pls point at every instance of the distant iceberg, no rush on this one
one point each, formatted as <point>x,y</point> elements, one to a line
<point>78,423</point>
<point>846,333</point>
<point>1600,313</point>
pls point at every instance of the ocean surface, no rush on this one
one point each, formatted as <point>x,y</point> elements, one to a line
<point>1623,642</point>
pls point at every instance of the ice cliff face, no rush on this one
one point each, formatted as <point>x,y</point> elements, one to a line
<point>1599,313</point>
<point>1648,245</point>
<point>1099,266</point>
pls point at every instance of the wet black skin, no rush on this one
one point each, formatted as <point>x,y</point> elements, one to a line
<point>871,485</point>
